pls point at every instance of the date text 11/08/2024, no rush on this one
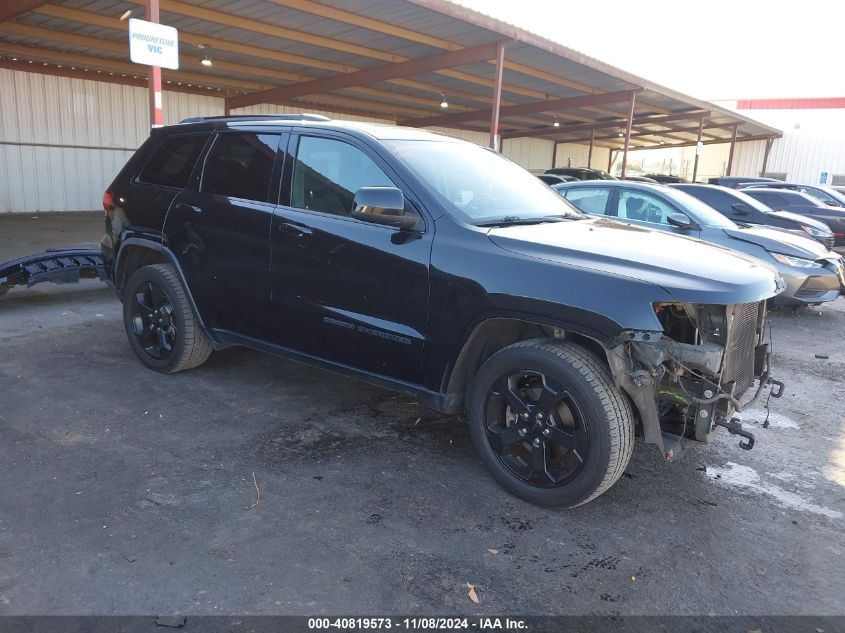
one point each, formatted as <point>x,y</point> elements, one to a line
<point>427,623</point>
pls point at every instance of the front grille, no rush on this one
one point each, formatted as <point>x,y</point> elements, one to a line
<point>829,242</point>
<point>742,337</point>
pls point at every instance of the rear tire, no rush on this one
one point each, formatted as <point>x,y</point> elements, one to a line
<point>160,323</point>
<point>549,422</point>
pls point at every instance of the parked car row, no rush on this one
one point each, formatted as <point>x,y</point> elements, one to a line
<point>745,209</point>
<point>813,273</point>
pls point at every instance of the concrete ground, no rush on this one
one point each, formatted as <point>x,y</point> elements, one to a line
<point>128,492</point>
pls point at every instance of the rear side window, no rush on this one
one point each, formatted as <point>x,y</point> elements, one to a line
<point>172,163</point>
<point>589,200</point>
<point>240,166</point>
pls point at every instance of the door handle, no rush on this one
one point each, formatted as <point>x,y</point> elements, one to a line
<point>191,208</point>
<point>297,230</point>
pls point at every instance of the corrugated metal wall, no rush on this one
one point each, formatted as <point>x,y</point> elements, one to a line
<point>75,133</point>
<point>801,156</point>
<point>712,162</point>
<point>479,138</point>
<point>748,158</point>
<point>813,141</point>
<point>79,133</point>
<point>575,155</point>
<point>532,153</point>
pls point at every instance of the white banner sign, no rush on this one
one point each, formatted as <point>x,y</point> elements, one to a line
<point>153,44</point>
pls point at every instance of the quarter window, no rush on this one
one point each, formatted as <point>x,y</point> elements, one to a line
<point>643,207</point>
<point>327,173</point>
<point>240,166</point>
<point>172,163</point>
<point>589,200</point>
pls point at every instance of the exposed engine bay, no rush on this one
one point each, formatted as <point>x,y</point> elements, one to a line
<point>691,379</point>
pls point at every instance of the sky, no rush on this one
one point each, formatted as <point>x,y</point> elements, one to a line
<point>716,50</point>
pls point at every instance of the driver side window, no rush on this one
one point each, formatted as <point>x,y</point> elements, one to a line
<point>643,207</point>
<point>327,173</point>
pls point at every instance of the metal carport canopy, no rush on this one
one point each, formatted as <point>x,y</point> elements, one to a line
<point>394,59</point>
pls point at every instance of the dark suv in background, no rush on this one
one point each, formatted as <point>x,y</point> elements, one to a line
<point>441,270</point>
<point>744,209</point>
<point>581,173</point>
<point>802,204</point>
<point>734,182</point>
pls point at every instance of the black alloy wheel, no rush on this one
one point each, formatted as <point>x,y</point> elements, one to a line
<point>549,422</point>
<point>536,428</point>
<point>152,320</point>
<point>160,322</point>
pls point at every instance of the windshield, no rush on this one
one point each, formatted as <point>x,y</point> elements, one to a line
<point>704,214</point>
<point>754,203</point>
<point>825,194</point>
<point>478,185</point>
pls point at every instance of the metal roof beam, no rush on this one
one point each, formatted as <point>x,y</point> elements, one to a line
<point>11,9</point>
<point>118,67</point>
<point>96,19</point>
<point>368,76</point>
<point>229,19</point>
<point>378,26</point>
<point>646,133</point>
<point>549,105</point>
<point>619,123</point>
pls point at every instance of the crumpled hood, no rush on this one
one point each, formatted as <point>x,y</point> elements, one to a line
<point>688,269</point>
<point>782,242</point>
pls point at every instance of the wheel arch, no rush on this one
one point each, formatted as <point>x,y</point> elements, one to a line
<point>136,252</point>
<point>492,333</point>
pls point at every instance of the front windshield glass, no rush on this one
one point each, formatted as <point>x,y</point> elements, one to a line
<point>704,214</point>
<point>754,203</point>
<point>825,194</point>
<point>478,185</point>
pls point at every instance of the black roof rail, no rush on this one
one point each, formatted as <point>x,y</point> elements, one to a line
<point>258,117</point>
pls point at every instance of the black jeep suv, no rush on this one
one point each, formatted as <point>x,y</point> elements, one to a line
<point>439,269</point>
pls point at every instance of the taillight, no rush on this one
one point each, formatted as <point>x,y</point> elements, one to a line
<point>108,202</point>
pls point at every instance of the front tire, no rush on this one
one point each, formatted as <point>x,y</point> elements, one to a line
<point>549,423</point>
<point>160,323</point>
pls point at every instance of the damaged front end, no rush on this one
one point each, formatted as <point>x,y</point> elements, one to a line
<point>690,379</point>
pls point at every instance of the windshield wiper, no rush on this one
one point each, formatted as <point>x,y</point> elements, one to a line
<point>512,220</point>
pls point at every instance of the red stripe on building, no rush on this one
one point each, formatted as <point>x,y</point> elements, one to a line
<point>821,103</point>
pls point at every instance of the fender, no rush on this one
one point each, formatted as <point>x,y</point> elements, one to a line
<point>592,326</point>
<point>153,241</point>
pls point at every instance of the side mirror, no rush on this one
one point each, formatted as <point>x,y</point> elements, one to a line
<point>739,208</point>
<point>679,220</point>
<point>832,203</point>
<point>382,205</point>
